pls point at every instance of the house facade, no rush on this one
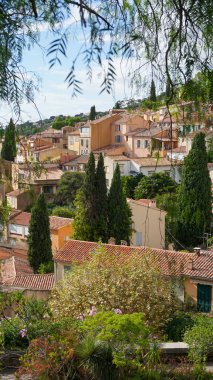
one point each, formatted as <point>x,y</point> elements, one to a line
<point>193,272</point>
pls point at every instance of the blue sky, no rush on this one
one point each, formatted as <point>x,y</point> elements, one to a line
<point>54,97</point>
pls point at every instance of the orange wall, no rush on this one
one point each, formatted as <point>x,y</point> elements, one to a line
<point>101,132</point>
<point>191,289</point>
<point>58,237</point>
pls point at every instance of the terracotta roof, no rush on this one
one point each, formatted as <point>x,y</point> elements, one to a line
<point>75,133</point>
<point>119,158</point>
<point>9,251</point>
<point>83,159</point>
<point>57,222</point>
<point>146,203</point>
<point>15,193</point>
<point>34,281</point>
<point>108,148</point>
<point>51,174</point>
<point>152,161</point>
<point>4,254</point>
<point>22,218</point>
<point>170,262</point>
<point>22,266</point>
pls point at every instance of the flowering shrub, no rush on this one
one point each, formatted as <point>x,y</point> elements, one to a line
<point>51,357</point>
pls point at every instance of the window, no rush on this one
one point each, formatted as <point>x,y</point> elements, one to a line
<point>138,143</point>
<point>15,229</point>
<point>82,142</point>
<point>150,172</point>
<point>138,238</point>
<point>56,140</point>
<point>118,128</point>
<point>87,143</point>
<point>84,130</point>
<point>146,143</point>
<point>26,231</point>
<point>47,189</point>
<point>126,138</point>
<point>118,139</point>
<point>121,168</point>
<point>71,140</point>
<point>76,139</point>
<point>204,298</point>
<point>67,268</point>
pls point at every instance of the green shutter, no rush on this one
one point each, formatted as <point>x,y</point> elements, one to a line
<point>204,298</point>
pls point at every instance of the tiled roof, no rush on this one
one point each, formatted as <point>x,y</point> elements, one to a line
<point>9,251</point>
<point>51,174</point>
<point>22,218</point>
<point>4,254</point>
<point>152,161</point>
<point>170,262</point>
<point>34,281</point>
<point>22,266</point>
<point>57,222</point>
<point>15,193</point>
<point>119,157</point>
<point>83,159</point>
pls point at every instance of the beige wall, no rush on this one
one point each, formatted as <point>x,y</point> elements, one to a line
<point>150,222</point>
<point>74,143</point>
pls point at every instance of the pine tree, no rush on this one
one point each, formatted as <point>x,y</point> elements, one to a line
<point>153,92</point>
<point>9,145</point>
<point>86,207</point>
<point>194,199</point>
<point>101,202</point>
<point>39,251</point>
<point>92,114</point>
<point>119,213</point>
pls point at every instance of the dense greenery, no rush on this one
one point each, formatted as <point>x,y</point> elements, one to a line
<point>155,184</point>
<point>68,187</point>
<point>194,199</point>
<point>129,184</point>
<point>39,250</point>
<point>85,217</point>
<point>153,92</point>
<point>101,229</point>
<point>63,211</point>
<point>8,151</point>
<point>119,213</point>
<point>63,121</point>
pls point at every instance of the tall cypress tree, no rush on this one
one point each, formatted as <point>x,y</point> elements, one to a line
<point>86,207</point>
<point>39,251</point>
<point>194,200</point>
<point>101,202</point>
<point>119,213</point>
<point>153,92</point>
<point>92,114</point>
<point>8,151</point>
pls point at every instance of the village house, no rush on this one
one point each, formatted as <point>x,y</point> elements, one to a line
<point>19,199</point>
<point>37,177</point>
<point>192,272</point>
<point>18,229</point>
<point>148,223</point>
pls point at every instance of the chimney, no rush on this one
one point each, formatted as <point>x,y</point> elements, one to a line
<point>111,241</point>
<point>123,242</point>
<point>197,250</point>
<point>190,265</point>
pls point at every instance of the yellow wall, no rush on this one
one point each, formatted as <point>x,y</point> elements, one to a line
<point>59,237</point>
<point>76,144</point>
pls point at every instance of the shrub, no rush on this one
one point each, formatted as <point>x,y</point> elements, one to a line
<point>178,325</point>
<point>63,211</point>
<point>14,333</point>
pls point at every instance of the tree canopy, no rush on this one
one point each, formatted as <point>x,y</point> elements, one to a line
<point>40,246</point>
<point>155,184</point>
<point>169,39</point>
<point>8,151</point>
<point>194,198</point>
<point>68,186</point>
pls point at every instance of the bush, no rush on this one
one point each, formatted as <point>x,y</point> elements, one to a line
<point>178,325</point>
<point>14,334</point>
<point>63,211</point>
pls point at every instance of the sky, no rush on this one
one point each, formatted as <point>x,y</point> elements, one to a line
<point>54,97</point>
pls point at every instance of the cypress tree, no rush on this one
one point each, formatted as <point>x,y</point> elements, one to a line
<point>153,92</point>
<point>39,251</point>
<point>92,114</point>
<point>9,145</point>
<point>86,207</point>
<point>168,89</point>
<point>101,202</point>
<point>194,199</point>
<point>119,213</point>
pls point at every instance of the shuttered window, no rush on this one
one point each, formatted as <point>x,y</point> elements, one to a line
<point>204,298</point>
